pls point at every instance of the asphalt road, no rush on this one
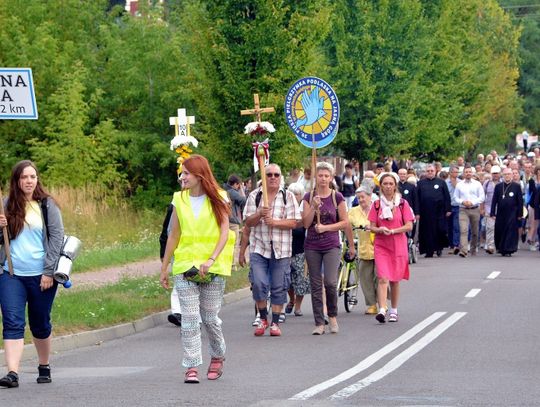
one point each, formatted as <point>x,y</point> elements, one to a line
<point>468,335</point>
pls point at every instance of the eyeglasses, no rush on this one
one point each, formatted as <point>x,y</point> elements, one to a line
<point>273,174</point>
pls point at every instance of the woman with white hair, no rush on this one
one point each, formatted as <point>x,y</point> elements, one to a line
<point>391,217</point>
<point>324,215</point>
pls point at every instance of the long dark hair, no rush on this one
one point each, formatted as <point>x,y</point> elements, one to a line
<point>16,206</point>
<point>199,166</point>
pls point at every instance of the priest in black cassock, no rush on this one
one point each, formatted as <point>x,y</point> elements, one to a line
<point>507,209</point>
<point>433,208</point>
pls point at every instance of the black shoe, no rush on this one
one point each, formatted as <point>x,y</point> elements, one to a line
<point>461,254</point>
<point>428,255</point>
<point>175,319</point>
<point>44,374</point>
<point>456,251</point>
<point>10,380</point>
<point>523,237</point>
<point>439,253</point>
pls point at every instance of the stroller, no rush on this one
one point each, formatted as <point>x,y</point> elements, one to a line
<point>411,245</point>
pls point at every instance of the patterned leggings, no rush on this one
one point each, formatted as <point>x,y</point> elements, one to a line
<point>200,302</point>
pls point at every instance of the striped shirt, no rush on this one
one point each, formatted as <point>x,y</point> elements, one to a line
<point>262,237</point>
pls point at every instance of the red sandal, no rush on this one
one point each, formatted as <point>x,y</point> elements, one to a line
<point>215,370</point>
<point>191,375</point>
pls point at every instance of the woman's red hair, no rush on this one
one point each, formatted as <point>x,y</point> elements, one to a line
<point>199,166</point>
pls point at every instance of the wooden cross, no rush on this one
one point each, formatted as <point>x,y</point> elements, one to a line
<point>181,123</point>
<point>257,110</point>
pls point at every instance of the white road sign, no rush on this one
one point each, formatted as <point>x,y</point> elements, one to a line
<point>17,98</point>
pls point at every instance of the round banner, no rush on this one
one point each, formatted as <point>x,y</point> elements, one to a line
<point>312,111</point>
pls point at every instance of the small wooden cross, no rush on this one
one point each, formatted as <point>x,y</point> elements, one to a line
<point>257,110</point>
<point>181,123</point>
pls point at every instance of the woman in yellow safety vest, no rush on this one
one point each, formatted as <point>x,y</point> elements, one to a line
<point>203,252</point>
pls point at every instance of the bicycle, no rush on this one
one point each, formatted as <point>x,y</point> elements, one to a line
<point>348,279</point>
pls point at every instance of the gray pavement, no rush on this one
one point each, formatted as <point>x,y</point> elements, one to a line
<point>466,337</point>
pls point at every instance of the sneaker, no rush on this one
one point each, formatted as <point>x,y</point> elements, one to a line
<point>371,310</point>
<point>282,318</point>
<point>275,330</point>
<point>175,319</point>
<point>319,330</point>
<point>381,316</point>
<point>393,317</point>
<point>261,327</point>
<point>256,321</point>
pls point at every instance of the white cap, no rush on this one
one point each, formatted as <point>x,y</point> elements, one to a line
<point>495,169</point>
<point>530,154</point>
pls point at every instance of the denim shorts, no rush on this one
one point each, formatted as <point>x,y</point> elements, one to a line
<point>270,275</point>
<point>15,293</point>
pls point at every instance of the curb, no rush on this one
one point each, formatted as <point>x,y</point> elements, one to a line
<point>98,336</point>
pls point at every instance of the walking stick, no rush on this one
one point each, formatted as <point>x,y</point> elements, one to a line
<point>6,236</point>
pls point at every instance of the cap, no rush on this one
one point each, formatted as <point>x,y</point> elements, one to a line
<point>495,169</point>
<point>530,154</point>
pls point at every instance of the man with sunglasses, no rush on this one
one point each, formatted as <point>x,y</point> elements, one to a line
<point>270,247</point>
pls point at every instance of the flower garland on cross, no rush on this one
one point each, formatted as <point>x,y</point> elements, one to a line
<point>261,153</point>
<point>183,140</point>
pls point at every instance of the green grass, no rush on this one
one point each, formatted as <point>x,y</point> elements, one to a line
<point>126,301</point>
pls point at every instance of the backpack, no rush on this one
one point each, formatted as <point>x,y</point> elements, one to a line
<point>259,196</point>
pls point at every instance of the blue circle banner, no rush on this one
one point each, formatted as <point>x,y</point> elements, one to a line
<point>312,111</point>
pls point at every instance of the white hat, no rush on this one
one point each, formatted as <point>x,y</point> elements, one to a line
<point>392,174</point>
<point>495,169</point>
<point>530,154</point>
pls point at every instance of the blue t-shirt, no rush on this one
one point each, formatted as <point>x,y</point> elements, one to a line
<point>27,251</point>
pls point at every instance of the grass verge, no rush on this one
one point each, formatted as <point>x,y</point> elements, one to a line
<point>126,301</point>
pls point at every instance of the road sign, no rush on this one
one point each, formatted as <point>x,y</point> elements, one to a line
<point>17,98</point>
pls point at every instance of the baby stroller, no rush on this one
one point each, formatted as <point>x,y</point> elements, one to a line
<point>411,245</point>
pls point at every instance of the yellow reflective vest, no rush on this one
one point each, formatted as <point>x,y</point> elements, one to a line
<point>199,236</point>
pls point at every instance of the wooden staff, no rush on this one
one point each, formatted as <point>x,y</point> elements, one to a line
<point>261,159</point>
<point>6,236</point>
<point>314,173</point>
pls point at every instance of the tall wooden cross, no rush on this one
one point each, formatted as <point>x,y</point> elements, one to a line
<point>258,109</point>
<point>181,123</point>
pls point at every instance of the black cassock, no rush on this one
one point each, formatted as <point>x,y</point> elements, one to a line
<point>433,204</point>
<point>507,206</point>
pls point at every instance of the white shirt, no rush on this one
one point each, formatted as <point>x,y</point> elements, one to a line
<point>469,191</point>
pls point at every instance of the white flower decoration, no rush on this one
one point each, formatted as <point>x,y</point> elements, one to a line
<point>178,141</point>
<point>253,126</point>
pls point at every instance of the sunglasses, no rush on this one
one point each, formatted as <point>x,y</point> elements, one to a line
<point>273,174</point>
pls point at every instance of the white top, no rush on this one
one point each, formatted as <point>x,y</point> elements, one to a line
<point>469,190</point>
<point>196,204</point>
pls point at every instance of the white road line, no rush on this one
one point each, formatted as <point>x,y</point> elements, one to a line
<point>370,360</point>
<point>493,275</point>
<point>399,359</point>
<point>473,293</point>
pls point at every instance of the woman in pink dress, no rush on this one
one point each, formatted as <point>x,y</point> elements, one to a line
<point>391,217</point>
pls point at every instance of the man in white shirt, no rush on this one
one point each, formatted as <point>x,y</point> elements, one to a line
<point>469,195</point>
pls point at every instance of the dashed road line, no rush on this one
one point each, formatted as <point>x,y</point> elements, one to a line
<point>493,275</point>
<point>473,293</point>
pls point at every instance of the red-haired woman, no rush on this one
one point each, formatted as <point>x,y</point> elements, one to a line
<point>35,248</point>
<point>203,255</point>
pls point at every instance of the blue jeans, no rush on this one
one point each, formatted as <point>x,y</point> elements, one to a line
<point>453,227</point>
<point>15,293</point>
<point>272,275</point>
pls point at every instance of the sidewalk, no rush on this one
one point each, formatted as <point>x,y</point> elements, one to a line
<point>97,337</point>
<point>114,274</point>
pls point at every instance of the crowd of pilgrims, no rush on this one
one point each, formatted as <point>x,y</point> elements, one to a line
<point>489,209</point>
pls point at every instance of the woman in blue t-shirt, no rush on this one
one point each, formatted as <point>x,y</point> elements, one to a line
<point>35,248</point>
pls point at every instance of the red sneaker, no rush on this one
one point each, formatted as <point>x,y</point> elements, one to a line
<point>261,327</point>
<point>275,330</point>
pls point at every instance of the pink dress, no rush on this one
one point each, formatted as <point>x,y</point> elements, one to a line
<point>391,252</point>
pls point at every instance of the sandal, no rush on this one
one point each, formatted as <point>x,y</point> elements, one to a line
<point>215,370</point>
<point>10,380</point>
<point>191,375</point>
<point>289,308</point>
<point>44,374</point>
<point>298,313</point>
